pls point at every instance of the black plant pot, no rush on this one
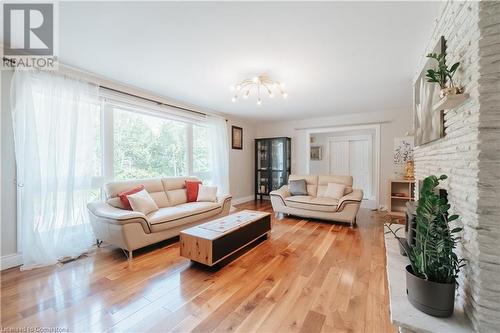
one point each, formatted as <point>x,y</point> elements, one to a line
<point>435,299</point>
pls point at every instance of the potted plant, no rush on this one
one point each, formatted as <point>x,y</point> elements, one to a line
<point>443,75</point>
<point>434,266</point>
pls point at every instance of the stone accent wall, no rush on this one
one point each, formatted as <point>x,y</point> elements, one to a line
<point>469,153</point>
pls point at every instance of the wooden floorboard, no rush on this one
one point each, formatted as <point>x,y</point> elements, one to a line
<point>310,276</point>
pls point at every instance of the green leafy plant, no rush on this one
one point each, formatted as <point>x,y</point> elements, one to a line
<point>432,257</point>
<point>442,74</point>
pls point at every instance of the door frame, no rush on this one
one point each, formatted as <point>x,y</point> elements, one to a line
<point>376,152</point>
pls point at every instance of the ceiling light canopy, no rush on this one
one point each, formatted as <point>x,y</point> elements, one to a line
<point>260,84</point>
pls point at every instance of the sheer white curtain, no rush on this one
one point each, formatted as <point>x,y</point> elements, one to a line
<point>219,152</point>
<point>56,133</point>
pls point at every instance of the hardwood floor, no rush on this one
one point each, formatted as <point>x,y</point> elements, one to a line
<point>309,276</point>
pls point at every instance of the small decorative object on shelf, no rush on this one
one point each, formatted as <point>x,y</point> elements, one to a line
<point>409,170</point>
<point>434,266</point>
<point>451,96</point>
<point>443,75</point>
<point>272,164</point>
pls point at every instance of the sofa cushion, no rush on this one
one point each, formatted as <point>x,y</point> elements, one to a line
<point>177,197</point>
<point>297,187</point>
<point>307,202</point>
<point>176,183</point>
<point>324,180</point>
<point>207,193</point>
<point>335,191</point>
<point>311,182</point>
<point>123,196</point>
<point>154,186</point>
<point>142,202</point>
<point>192,190</point>
<point>171,217</point>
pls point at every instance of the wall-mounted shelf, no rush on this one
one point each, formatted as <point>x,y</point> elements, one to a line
<point>450,102</point>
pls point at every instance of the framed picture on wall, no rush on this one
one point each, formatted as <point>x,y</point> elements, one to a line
<point>316,153</point>
<point>428,123</point>
<point>236,137</point>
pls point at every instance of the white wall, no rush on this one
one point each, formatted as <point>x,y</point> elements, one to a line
<point>242,162</point>
<point>394,123</point>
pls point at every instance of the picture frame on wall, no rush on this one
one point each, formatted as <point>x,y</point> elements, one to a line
<point>236,137</point>
<point>428,123</point>
<point>316,153</point>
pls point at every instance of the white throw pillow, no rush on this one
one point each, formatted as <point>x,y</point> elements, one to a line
<point>142,202</point>
<point>335,191</point>
<point>207,193</point>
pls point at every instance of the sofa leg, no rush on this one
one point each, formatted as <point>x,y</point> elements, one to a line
<point>128,254</point>
<point>98,242</point>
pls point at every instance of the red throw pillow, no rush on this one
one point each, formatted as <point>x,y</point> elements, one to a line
<point>124,199</point>
<point>192,190</point>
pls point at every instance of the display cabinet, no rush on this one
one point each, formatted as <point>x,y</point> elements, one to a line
<point>272,164</point>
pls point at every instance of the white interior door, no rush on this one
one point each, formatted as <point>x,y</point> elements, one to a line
<point>339,158</point>
<point>352,155</point>
<point>360,165</point>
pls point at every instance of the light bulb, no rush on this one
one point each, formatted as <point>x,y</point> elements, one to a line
<point>284,94</point>
<point>259,102</point>
<point>245,96</point>
<point>255,79</point>
<point>233,99</point>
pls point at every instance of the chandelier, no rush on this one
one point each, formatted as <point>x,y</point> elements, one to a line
<point>261,84</point>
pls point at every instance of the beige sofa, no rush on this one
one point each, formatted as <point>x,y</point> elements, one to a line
<point>131,230</point>
<point>314,204</point>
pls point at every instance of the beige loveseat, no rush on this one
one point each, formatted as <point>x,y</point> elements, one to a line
<point>314,204</point>
<point>131,230</point>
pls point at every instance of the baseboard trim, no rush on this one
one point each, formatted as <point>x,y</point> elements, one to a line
<point>11,260</point>
<point>243,200</point>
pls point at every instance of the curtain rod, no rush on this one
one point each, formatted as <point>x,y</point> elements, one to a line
<point>154,101</point>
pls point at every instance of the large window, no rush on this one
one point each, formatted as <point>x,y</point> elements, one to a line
<point>147,145</point>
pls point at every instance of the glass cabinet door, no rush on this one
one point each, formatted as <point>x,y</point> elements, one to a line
<point>278,179</point>
<point>277,153</point>
<point>262,155</point>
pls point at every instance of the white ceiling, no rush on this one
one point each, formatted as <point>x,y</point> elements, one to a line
<point>335,57</point>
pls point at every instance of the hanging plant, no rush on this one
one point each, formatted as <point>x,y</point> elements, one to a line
<point>443,75</point>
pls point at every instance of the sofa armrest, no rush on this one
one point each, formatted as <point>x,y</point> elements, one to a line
<point>278,198</point>
<point>282,192</point>
<point>106,211</point>
<point>355,197</point>
<point>223,198</point>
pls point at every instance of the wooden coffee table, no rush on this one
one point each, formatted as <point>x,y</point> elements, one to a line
<point>213,241</point>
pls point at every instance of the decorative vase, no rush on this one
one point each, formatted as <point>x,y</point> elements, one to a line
<point>435,299</point>
<point>449,91</point>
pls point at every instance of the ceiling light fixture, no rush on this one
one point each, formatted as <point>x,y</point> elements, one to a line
<point>260,82</point>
